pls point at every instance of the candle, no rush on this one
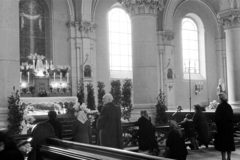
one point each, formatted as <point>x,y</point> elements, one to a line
<point>28,76</point>
<point>60,77</point>
<point>33,64</point>
<point>54,76</point>
<point>67,77</point>
<point>46,65</point>
<point>20,77</point>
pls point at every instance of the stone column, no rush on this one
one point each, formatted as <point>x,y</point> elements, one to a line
<point>9,54</point>
<point>231,23</point>
<point>87,34</point>
<point>144,53</point>
<point>72,25</point>
<point>167,66</point>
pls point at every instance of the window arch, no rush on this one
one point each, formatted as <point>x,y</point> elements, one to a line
<point>193,47</point>
<point>120,45</point>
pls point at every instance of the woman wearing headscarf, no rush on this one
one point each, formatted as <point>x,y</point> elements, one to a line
<point>146,134</point>
<point>81,126</point>
<point>202,128</point>
<point>175,142</point>
<point>224,141</point>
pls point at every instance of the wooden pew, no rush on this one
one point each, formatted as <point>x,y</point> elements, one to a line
<point>67,150</point>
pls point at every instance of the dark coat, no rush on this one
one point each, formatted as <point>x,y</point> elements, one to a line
<point>188,128</point>
<point>57,127</point>
<point>176,144</point>
<point>109,125</point>
<point>146,134</point>
<point>80,131</point>
<point>202,128</point>
<point>224,122</point>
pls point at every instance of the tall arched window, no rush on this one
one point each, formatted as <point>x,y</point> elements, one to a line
<point>193,47</point>
<point>190,46</point>
<point>120,45</point>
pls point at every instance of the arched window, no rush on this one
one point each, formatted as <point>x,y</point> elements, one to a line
<point>193,51</point>
<point>120,45</point>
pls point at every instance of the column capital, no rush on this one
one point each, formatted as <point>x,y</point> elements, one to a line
<point>134,7</point>
<point>87,27</point>
<point>72,24</point>
<point>166,36</point>
<point>229,18</point>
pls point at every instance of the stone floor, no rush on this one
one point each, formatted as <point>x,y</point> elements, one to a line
<point>211,154</point>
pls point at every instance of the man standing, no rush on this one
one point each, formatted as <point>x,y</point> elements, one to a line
<point>109,124</point>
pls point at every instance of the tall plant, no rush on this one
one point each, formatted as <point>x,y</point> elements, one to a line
<point>90,97</point>
<point>15,114</point>
<point>116,92</point>
<point>126,99</point>
<point>101,92</point>
<point>80,93</point>
<point>161,116</point>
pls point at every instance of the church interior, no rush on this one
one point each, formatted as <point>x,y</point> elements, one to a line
<point>188,50</point>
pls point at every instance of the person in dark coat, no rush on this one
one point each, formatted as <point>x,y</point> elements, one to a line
<point>224,141</point>
<point>52,115</point>
<point>81,128</point>
<point>8,148</point>
<point>146,134</point>
<point>109,124</point>
<point>202,128</point>
<point>189,130</point>
<point>175,142</point>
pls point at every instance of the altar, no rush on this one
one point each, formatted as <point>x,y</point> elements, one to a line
<point>41,105</point>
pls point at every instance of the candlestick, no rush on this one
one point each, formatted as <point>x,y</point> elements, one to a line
<point>20,77</point>
<point>67,77</point>
<point>28,76</point>
<point>60,77</point>
<point>54,76</point>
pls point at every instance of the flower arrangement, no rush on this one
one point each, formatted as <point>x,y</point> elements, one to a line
<point>43,93</point>
<point>64,69</point>
<point>213,104</point>
<point>28,120</point>
<point>25,68</point>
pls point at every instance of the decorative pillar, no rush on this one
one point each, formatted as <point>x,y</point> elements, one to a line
<point>229,17</point>
<point>88,62</point>
<point>75,73</point>
<point>167,66</point>
<point>221,52</point>
<point>9,55</point>
<point>143,15</point>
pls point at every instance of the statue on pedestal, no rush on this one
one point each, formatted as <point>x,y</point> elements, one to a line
<point>221,86</point>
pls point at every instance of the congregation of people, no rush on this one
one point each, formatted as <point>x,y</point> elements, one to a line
<point>109,130</point>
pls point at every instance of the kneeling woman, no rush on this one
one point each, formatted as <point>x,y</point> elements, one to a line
<point>175,142</point>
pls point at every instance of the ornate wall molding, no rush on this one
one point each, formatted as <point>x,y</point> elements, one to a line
<point>229,18</point>
<point>134,7</point>
<point>167,37</point>
<point>87,27</point>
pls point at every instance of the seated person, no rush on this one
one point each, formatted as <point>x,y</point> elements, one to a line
<point>189,130</point>
<point>146,132</point>
<point>8,148</point>
<point>175,142</point>
<point>52,115</point>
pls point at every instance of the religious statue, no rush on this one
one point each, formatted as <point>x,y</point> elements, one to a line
<point>170,73</point>
<point>221,86</point>
<point>39,65</point>
<point>87,71</point>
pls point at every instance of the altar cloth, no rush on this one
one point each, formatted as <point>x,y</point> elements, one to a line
<point>47,100</point>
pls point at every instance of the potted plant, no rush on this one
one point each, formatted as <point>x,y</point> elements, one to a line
<point>90,97</point>
<point>101,92</point>
<point>116,92</point>
<point>161,116</point>
<point>126,99</point>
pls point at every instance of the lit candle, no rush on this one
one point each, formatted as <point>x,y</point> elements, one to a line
<point>67,77</point>
<point>60,77</point>
<point>28,76</point>
<point>46,64</point>
<point>20,77</point>
<point>54,76</point>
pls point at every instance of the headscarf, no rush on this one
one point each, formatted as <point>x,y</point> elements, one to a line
<point>144,114</point>
<point>82,113</point>
<point>173,124</point>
